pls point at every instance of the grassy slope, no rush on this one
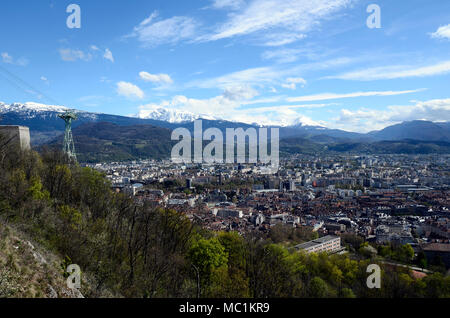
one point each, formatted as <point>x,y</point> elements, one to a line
<point>26,270</point>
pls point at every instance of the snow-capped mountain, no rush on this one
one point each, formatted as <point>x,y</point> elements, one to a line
<point>30,108</point>
<point>45,124</point>
<point>305,121</point>
<point>302,121</point>
<point>42,120</point>
<point>168,115</point>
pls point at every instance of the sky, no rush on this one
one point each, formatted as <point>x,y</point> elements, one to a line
<point>271,62</point>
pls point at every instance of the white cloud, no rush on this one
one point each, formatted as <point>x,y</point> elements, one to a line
<point>73,55</point>
<point>222,106</point>
<point>70,55</point>
<point>22,61</point>
<point>45,80</point>
<point>442,33</point>
<point>129,90</point>
<point>329,96</point>
<point>108,55</point>
<point>239,93</point>
<point>395,72</point>
<point>156,78</point>
<point>360,120</point>
<point>105,79</point>
<point>7,58</point>
<point>171,30</point>
<point>229,106</point>
<point>216,106</point>
<point>282,55</point>
<point>277,117</point>
<point>278,107</point>
<point>228,4</point>
<point>291,83</point>
<point>267,75</point>
<point>251,76</point>
<point>280,39</point>
<point>287,20</point>
<point>364,120</point>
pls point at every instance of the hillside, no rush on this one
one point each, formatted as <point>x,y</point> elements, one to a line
<point>394,147</point>
<point>107,142</point>
<point>28,270</point>
<point>415,130</point>
<point>45,125</point>
<point>297,145</point>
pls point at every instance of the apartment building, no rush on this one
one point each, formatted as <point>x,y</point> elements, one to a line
<point>328,244</point>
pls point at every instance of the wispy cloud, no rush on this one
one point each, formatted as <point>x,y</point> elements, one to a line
<point>364,120</point>
<point>394,72</point>
<point>156,78</point>
<point>45,80</point>
<point>8,59</point>
<point>284,55</point>
<point>251,76</point>
<point>228,4</point>
<point>332,96</point>
<point>72,55</point>
<point>227,108</point>
<point>221,106</point>
<point>153,32</point>
<point>262,109</point>
<point>292,82</point>
<point>108,55</point>
<point>93,52</point>
<point>240,93</point>
<point>287,20</point>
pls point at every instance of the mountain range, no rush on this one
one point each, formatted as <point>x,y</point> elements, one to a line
<point>107,134</point>
<point>417,130</point>
<point>167,115</point>
<point>106,142</point>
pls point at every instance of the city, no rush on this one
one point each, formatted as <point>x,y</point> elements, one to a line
<point>217,157</point>
<point>397,199</point>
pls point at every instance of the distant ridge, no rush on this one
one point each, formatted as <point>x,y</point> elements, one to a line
<point>416,130</point>
<point>45,125</point>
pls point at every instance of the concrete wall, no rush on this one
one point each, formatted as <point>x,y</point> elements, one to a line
<point>18,136</point>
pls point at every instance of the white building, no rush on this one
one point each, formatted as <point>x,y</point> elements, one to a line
<point>328,244</point>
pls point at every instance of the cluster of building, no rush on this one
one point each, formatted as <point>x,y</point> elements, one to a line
<point>400,199</point>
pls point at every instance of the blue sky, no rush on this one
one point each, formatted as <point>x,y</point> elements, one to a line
<point>256,61</point>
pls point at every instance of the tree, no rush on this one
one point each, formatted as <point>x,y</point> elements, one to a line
<point>207,255</point>
<point>318,288</point>
<point>422,260</point>
<point>347,293</point>
<point>405,253</point>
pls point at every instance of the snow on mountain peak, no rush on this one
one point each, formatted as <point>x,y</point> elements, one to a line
<point>30,107</point>
<point>305,121</point>
<point>168,115</point>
